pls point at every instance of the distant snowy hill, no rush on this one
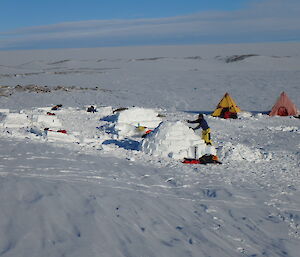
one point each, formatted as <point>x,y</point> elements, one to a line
<point>86,187</point>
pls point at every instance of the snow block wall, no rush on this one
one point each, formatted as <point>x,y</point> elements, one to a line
<point>175,140</point>
<point>54,136</point>
<point>15,120</point>
<point>129,120</point>
<point>46,121</point>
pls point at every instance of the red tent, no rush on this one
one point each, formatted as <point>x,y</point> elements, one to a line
<point>284,106</point>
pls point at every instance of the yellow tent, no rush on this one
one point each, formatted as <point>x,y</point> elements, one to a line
<point>226,104</point>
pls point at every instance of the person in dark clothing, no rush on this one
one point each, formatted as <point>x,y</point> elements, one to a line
<point>205,128</point>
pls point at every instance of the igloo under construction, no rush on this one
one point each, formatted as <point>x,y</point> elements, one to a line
<point>129,121</point>
<point>175,140</point>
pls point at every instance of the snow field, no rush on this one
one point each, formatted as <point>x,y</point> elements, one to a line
<point>214,208</point>
<point>99,194</point>
<point>109,197</point>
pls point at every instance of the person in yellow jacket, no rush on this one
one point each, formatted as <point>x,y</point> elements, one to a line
<point>205,128</point>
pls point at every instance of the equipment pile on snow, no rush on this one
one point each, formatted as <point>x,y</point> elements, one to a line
<point>205,159</point>
<point>56,107</point>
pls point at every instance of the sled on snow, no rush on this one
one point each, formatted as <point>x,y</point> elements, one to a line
<point>63,131</point>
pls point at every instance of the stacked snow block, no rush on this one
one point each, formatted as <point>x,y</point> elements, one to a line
<point>46,121</point>
<point>130,121</point>
<point>15,120</point>
<point>175,140</point>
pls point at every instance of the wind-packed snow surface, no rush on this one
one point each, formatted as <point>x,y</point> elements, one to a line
<point>111,183</point>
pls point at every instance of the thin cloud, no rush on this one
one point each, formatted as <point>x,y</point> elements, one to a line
<point>269,20</point>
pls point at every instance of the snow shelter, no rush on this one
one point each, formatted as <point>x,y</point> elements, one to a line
<point>284,106</point>
<point>226,108</point>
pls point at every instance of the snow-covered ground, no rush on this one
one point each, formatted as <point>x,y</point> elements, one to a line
<point>98,190</point>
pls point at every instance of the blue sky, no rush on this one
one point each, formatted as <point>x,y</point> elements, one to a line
<point>38,24</point>
<point>21,13</point>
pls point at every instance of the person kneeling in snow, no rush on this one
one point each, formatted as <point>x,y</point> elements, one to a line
<point>205,128</point>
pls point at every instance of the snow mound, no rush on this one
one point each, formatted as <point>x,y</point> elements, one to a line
<point>284,128</point>
<point>239,152</point>
<point>130,120</point>
<point>175,140</point>
<point>244,115</point>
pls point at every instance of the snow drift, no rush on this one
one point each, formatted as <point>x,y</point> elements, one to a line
<point>239,152</point>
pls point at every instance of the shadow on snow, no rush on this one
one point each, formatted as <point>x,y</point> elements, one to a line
<point>127,144</point>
